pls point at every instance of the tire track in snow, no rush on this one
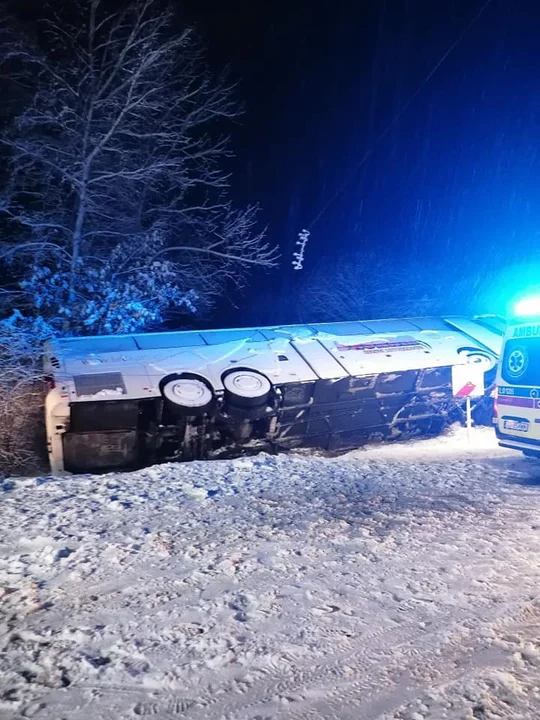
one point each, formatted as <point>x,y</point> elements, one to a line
<point>338,686</point>
<point>284,682</point>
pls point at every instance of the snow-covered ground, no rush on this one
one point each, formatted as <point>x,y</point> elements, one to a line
<point>397,582</point>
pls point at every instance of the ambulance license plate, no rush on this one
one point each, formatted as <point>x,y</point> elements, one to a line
<point>517,425</point>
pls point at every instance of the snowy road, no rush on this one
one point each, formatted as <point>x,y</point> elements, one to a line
<point>398,582</point>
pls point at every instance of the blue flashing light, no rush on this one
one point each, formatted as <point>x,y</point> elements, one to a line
<point>528,306</point>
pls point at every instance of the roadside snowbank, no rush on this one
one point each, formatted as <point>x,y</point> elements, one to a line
<point>394,582</point>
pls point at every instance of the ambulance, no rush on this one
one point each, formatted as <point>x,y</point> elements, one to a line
<point>517,403</point>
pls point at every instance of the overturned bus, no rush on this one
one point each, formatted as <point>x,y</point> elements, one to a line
<point>132,400</point>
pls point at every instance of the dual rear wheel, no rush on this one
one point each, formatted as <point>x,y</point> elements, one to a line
<point>190,394</point>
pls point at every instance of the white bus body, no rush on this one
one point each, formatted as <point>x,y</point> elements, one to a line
<point>132,400</point>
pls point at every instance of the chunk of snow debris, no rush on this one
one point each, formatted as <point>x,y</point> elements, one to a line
<point>64,553</point>
<point>105,392</point>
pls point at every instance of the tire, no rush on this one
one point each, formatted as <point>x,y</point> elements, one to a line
<point>188,395</point>
<point>246,388</point>
<point>478,356</point>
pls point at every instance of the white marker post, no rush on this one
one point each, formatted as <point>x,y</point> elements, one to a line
<point>469,417</point>
<point>468,382</point>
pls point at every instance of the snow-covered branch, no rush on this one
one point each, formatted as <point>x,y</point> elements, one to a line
<point>120,148</point>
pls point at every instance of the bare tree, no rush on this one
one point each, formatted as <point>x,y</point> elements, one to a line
<point>368,286</point>
<point>22,392</point>
<point>116,172</point>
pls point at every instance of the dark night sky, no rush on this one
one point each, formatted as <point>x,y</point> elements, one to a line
<point>319,81</point>
<point>454,184</point>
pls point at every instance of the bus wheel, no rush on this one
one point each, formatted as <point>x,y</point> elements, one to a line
<point>246,388</point>
<point>188,394</point>
<point>476,356</point>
